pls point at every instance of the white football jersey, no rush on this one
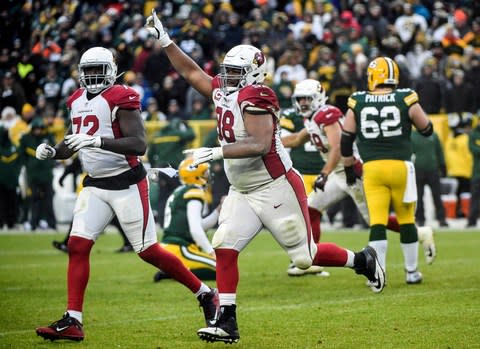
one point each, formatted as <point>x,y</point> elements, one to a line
<point>97,116</point>
<point>249,173</point>
<point>324,116</point>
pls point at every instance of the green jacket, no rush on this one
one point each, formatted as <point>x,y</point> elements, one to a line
<point>428,152</point>
<point>474,146</point>
<point>10,161</point>
<point>38,171</point>
<point>168,143</point>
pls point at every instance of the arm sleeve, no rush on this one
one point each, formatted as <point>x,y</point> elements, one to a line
<point>194,216</point>
<point>210,221</point>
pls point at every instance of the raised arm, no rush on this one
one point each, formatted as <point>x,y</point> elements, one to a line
<point>182,63</point>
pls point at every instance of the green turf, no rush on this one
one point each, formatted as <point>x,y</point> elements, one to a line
<point>125,309</point>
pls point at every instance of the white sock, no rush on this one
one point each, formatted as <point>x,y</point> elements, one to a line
<point>350,258</point>
<point>380,246</point>
<point>76,315</point>
<point>227,298</point>
<point>203,288</point>
<point>410,255</point>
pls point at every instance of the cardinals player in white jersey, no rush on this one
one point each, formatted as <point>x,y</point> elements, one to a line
<point>323,127</point>
<point>108,133</point>
<point>266,192</point>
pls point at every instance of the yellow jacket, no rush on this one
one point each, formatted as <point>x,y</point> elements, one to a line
<point>458,157</point>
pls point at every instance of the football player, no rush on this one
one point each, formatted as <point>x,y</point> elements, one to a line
<point>381,120</point>
<point>108,133</point>
<point>323,128</point>
<point>307,160</point>
<point>186,221</point>
<point>266,191</point>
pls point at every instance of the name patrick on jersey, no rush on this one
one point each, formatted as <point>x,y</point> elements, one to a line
<point>380,98</point>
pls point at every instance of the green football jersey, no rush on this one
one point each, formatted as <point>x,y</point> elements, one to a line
<point>305,158</point>
<point>383,124</point>
<point>176,229</point>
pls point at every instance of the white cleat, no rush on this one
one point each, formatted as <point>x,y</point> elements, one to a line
<point>312,270</point>
<point>425,236</point>
<point>413,277</point>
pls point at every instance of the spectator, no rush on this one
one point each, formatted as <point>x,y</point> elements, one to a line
<point>407,24</point>
<point>200,110</point>
<point>429,167</point>
<point>430,90</point>
<point>10,165</point>
<point>456,147</point>
<point>152,113</point>
<point>284,90</point>
<point>39,176</point>
<point>11,92</point>
<point>21,125</point>
<point>474,146</point>
<point>459,95</point>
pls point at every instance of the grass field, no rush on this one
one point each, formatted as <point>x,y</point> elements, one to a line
<point>125,309</point>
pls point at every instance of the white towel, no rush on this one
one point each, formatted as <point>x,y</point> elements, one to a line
<point>410,194</point>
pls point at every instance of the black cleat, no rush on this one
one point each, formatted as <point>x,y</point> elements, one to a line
<point>60,246</point>
<point>209,304</point>
<point>366,263</point>
<point>224,329</point>
<point>160,275</point>
<point>125,248</point>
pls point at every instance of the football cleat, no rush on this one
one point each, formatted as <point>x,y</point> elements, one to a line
<point>312,270</point>
<point>209,303</point>
<point>413,277</point>
<point>125,248</point>
<point>160,275</point>
<point>224,329</point>
<point>425,236</point>
<point>61,246</point>
<point>370,268</point>
<point>65,328</point>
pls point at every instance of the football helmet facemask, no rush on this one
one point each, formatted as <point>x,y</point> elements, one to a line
<point>315,94</point>
<point>97,69</point>
<point>243,65</point>
<point>190,174</point>
<point>382,71</point>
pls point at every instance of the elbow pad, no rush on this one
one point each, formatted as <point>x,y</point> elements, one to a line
<point>427,131</point>
<point>346,143</point>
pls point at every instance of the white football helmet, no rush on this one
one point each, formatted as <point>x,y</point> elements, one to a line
<point>315,94</point>
<point>243,65</point>
<point>97,69</point>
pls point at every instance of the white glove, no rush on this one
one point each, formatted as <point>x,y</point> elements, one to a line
<point>80,140</point>
<point>155,172</point>
<point>155,28</point>
<point>44,151</point>
<point>201,155</point>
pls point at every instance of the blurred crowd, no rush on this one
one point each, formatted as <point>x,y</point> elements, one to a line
<point>435,43</point>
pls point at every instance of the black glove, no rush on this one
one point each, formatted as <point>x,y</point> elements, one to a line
<point>351,175</point>
<point>320,182</point>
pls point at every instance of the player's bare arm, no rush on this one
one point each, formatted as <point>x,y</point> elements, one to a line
<point>61,149</point>
<point>333,133</point>
<point>420,120</point>
<point>296,139</point>
<point>348,136</point>
<point>259,140</point>
<point>134,140</point>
